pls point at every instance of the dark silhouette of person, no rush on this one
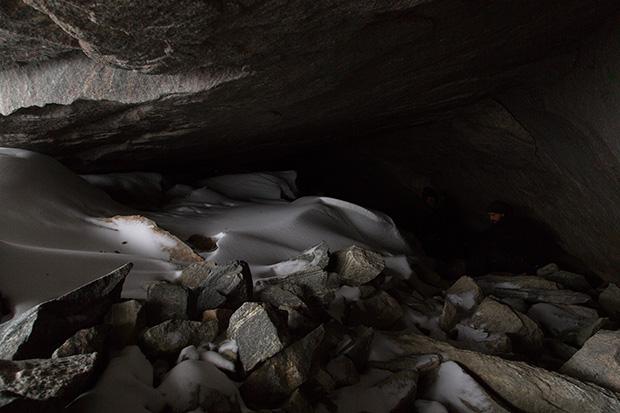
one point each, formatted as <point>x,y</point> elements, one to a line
<point>505,246</point>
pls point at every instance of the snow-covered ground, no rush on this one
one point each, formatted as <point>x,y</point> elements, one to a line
<point>58,231</point>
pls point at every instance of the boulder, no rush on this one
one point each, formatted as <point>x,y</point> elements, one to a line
<point>571,323</point>
<point>298,314</point>
<point>461,299</point>
<point>570,280</point>
<point>609,300</point>
<point>170,337</point>
<point>598,361</point>
<point>547,269</point>
<point>380,311</point>
<point>314,257</point>
<point>215,286</point>
<point>357,265</point>
<point>257,330</point>
<point>495,317</point>
<point>85,341</point>
<point>524,387</point>
<point>166,301</point>
<point>127,320</point>
<point>529,288</point>
<point>278,377</point>
<point>44,384</point>
<point>40,330</point>
<point>420,363</point>
<point>482,341</point>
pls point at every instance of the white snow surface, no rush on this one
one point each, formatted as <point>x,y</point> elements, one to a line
<point>56,233</point>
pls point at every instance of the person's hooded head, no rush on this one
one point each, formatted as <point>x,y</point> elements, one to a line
<point>498,211</point>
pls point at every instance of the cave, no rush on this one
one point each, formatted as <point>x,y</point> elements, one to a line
<point>250,176</point>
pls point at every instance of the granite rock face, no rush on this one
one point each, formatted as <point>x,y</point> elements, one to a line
<point>40,330</point>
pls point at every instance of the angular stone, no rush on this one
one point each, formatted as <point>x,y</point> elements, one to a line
<point>41,384</point>
<point>127,320</point>
<point>357,346</point>
<point>380,310</point>
<point>570,323</point>
<point>357,265</point>
<point>298,313</point>
<point>547,269</point>
<point>461,299</point>
<point>257,329</point>
<point>482,341</point>
<point>170,337</point>
<point>40,330</point>
<point>166,301</point>
<point>570,280</point>
<point>495,317</point>
<point>527,388</point>
<point>421,363</point>
<point>228,285</point>
<point>598,361</point>
<point>313,285</point>
<point>316,256</point>
<point>609,299</point>
<point>85,341</point>
<point>279,376</point>
<point>343,371</point>
<point>529,288</point>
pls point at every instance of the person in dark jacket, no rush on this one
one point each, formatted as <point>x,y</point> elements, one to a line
<point>503,246</point>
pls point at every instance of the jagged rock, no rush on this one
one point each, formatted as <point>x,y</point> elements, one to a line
<point>609,299</point>
<point>42,384</point>
<point>313,285</point>
<point>496,317</point>
<point>227,285</point>
<point>420,363</point>
<point>598,361</point>
<point>482,341</point>
<point>166,301</point>
<point>547,269</point>
<point>461,298</point>
<point>257,329</point>
<point>571,323</point>
<point>343,371</point>
<point>380,310</point>
<point>357,265</point>
<point>529,288</point>
<point>170,337</point>
<point>279,376</point>
<point>85,341</point>
<point>127,320</point>
<point>379,391</point>
<point>570,280</point>
<point>40,330</point>
<point>221,315</point>
<point>527,388</point>
<point>299,315</point>
<point>457,390</point>
<point>314,257</point>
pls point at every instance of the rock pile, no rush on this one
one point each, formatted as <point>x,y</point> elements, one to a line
<point>329,333</point>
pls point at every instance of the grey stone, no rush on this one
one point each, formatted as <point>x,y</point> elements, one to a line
<point>461,299</point>
<point>570,280</point>
<point>127,320</point>
<point>609,299</point>
<point>570,323</point>
<point>343,371</point>
<point>170,337</point>
<point>357,266</point>
<point>227,285</point>
<point>257,329</point>
<point>598,361</point>
<point>40,330</point>
<point>525,387</point>
<point>299,315</point>
<point>315,286</point>
<point>495,317</point>
<point>357,345</point>
<point>316,256</point>
<point>482,341</point>
<point>85,341</point>
<point>547,269</point>
<point>166,301</point>
<point>278,377</point>
<point>44,384</point>
<point>380,310</point>
<point>529,288</point>
<point>421,363</point>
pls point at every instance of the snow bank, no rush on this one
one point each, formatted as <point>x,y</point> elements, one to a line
<point>58,232</point>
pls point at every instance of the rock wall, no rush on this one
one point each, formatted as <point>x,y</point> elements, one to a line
<point>551,149</point>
